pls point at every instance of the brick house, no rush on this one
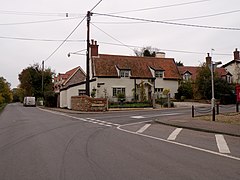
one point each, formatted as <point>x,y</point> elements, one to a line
<point>65,80</point>
<point>189,73</point>
<point>111,75</point>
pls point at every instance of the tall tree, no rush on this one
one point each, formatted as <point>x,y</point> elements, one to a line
<point>5,92</point>
<point>31,80</point>
<point>204,85</point>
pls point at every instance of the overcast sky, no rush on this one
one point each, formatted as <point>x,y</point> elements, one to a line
<point>30,30</point>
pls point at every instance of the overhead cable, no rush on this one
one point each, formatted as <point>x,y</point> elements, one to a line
<point>160,7</point>
<point>170,23</point>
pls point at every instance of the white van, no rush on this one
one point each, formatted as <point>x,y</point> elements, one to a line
<point>29,101</point>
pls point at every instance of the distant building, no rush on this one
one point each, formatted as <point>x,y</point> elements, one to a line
<point>234,67</point>
<point>189,73</point>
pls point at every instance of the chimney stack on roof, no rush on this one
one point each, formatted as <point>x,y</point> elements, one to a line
<point>93,48</point>
<point>236,54</point>
<point>208,59</point>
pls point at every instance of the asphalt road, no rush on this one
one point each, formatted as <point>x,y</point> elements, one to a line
<point>39,145</point>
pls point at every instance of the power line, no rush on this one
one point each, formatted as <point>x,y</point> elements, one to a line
<point>35,39</point>
<point>167,50</point>
<point>112,37</point>
<point>25,13</point>
<point>160,7</point>
<point>170,23</point>
<point>65,39</point>
<point>35,22</point>
<point>177,19</point>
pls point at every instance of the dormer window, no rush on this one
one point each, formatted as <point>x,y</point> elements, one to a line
<point>159,74</point>
<point>187,76</point>
<point>124,73</point>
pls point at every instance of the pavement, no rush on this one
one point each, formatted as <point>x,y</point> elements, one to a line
<point>184,121</point>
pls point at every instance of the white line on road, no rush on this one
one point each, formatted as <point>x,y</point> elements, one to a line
<point>222,144</point>
<point>144,128</point>
<point>180,144</point>
<point>137,117</point>
<point>174,134</point>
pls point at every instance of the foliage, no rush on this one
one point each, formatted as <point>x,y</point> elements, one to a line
<point>143,96</point>
<point>204,85</point>
<point>5,92</point>
<point>130,105</point>
<point>121,96</point>
<point>50,99</point>
<point>185,90</point>
<point>18,94</point>
<point>166,92</point>
<point>179,63</point>
<point>93,93</point>
<point>31,80</point>
<point>146,52</point>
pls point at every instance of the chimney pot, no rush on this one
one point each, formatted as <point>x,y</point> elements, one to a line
<point>208,59</point>
<point>94,48</point>
<point>92,41</point>
<point>236,54</point>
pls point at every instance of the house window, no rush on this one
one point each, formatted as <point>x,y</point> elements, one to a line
<point>81,92</point>
<point>117,91</point>
<point>229,79</point>
<point>186,76</point>
<point>124,73</point>
<point>158,90</point>
<point>159,74</point>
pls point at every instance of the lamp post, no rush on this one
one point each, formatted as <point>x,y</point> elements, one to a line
<point>213,66</point>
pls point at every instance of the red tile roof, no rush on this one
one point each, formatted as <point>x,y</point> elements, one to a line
<point>191,69</point>
<point>194,71</point>
<point>106,66</point>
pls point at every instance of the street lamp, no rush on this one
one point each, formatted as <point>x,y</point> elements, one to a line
<point>213,67</point>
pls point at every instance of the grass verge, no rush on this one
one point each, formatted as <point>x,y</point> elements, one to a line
<point>232,118</point>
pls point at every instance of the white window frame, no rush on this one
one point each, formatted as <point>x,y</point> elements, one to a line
<point>118,90</point>
<point>159,74</point>
<point>124,73</point>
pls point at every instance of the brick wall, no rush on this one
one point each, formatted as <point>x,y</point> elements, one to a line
<point>88,104</point>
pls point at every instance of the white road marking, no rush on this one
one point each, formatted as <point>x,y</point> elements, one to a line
<point>180,144</point>
<point>174,134</point>
<point>144,128</point>
<point>222,144</point>
<point>137,117</point>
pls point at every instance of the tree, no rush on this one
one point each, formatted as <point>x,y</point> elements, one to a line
<point>204,85</point>
<point>186,90</point>
<point>179,63</point>
<point>146,52</point>
<point>5,92</point>
<point>31,80</point>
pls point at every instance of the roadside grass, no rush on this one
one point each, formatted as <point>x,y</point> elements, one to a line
<point>231,118</point>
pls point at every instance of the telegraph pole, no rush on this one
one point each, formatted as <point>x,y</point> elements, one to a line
<point>42,77</point>
<point>88,54</point>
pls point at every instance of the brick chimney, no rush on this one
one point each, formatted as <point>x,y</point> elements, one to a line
<point>93,48</point>
<point>208,59</point>
<point>236,54</point>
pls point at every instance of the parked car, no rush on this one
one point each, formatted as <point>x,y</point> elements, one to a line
<point>29,101</point>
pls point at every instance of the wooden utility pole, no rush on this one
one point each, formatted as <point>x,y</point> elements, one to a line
<point>88,54</point>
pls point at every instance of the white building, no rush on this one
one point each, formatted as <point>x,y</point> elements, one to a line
<point>136,78</point>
